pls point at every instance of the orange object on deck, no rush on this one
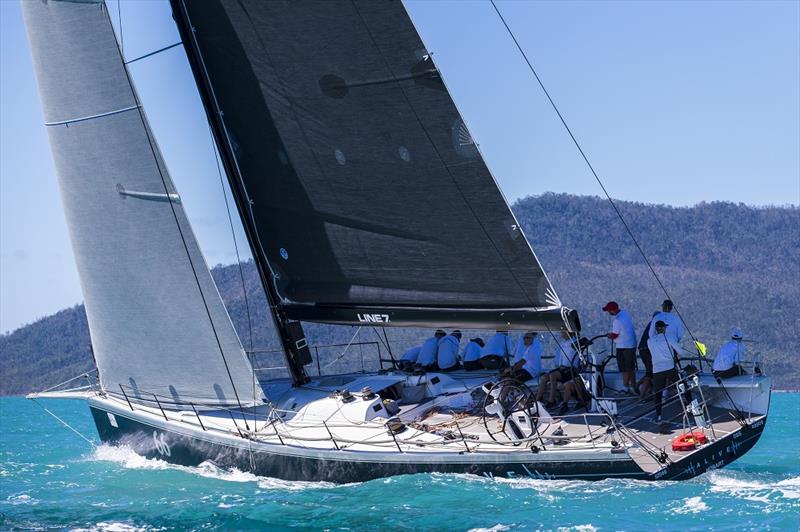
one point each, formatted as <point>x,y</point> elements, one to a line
<point>689,441</point>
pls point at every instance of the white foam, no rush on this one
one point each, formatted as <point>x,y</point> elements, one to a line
<point>692,505</point>
<point>22,498</point>
<point>128,458</point>
<point>495,528</point>
<point>269,483</point>
<point>754,490</point>
<point>115,526</point>
<point>551,489</point>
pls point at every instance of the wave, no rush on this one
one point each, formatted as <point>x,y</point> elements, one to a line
<point>129,459</point>
<point>612,486</point>
<point>115,526</point>
<point>692,505</point>
<point>496,528</point>
<point>751,489</point>
<point>22,498</point>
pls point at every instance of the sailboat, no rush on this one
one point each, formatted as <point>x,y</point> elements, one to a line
<point>336,132</point>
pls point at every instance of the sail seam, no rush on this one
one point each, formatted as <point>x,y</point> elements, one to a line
<point>91,117</point>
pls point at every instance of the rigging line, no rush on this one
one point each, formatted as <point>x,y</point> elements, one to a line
<point>388,345</point>
<point>153,151</point>
<point>235,242</point>
<point>444,164</point>
<point>121,38</point>
<point>90,442</point>
<point>591,168</point>
<point>241,277</point>
<point>145,56</point>
<point>329,364</point>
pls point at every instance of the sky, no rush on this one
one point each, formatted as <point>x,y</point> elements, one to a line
<point>673,102</point>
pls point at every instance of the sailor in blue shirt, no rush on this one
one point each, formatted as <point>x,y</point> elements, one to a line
<point>497,351</point>
<point>409,358</point>
<point>427,353</point>
<point>472,354</point>
<point>447,357</point>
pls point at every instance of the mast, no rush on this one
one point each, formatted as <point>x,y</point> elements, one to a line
<point>290,332</point>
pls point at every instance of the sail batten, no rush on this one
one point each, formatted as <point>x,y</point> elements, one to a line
<point>157,322</point>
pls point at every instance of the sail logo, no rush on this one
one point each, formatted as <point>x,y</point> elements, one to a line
<point>373,318</point>
<point>161,445</point>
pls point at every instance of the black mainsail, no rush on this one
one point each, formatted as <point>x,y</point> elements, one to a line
<point>364,195</point>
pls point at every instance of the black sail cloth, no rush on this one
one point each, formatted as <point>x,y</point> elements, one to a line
<point>362,184</point>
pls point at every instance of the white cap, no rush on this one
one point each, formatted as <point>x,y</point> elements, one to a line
<point>736,333</point>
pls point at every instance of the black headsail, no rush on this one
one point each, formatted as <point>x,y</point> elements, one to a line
<point>364,195</point>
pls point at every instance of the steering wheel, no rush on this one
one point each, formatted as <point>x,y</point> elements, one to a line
<point>506,399</point>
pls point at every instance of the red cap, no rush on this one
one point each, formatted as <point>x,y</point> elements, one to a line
<point>611,306</point>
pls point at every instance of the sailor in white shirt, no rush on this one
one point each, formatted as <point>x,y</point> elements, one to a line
<point>623,335</point>
<point>472,354</point>
<point>528,360</point>
<point>567,362</point>
<point>663,349</point>
<point>497,351</point>
<point>674,324</point>
<point>447,356</point>
<point>567,353</point>
<point>426,358</point>
<point>726,363</point>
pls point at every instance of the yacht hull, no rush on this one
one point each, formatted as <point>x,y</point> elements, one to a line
<point>173,442</point>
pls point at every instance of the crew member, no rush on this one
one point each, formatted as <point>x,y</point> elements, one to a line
<point>673,321</point>
<point>472,354</point>
<point>447,356</point>
<point>726,363</point>
<point>497,351</point>
<point>409,358</point>
<point>623,337</point>
<point>567,361</point>
<point>427,353</point>
<point>528,360</point>
<point>645,384</point>
<point>575,387</point>
<point>663,349</point>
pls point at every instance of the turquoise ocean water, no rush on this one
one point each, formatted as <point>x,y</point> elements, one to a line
<point>51,479</point>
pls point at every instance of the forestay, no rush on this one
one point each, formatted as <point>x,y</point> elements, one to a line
<point>362,185</point>
<point>157,322</point>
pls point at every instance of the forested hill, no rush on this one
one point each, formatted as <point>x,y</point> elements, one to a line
<point>724,264</point>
